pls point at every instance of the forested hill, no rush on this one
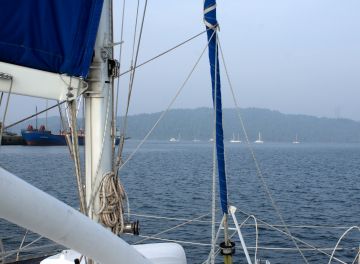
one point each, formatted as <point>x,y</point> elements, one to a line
<point>198,123</point>
<point>273,125</point>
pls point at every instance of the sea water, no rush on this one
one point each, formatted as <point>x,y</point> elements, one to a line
<point>169,186</point>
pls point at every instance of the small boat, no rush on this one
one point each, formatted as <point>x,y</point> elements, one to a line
<point>296,141</point>
<point>175,139</point>
<point>233,140</point>
<point>259,141</point>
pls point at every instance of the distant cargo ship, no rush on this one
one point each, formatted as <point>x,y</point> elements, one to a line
<point>43,137</point>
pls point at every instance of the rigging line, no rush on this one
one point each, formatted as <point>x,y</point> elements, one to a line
<point>258,169</point>
<point>175,241</point>
<point>340,239</point>
<point>19,250</point>
<point>213,197</point>
<point>256,234</point>
<point>38,113</point>
<point>131,85</point>
<point>10,253</point>
<point>135,33</point>
<point>166,110</point>
<point>21,244</point>
<point>171,228</point>
<point>76,155</point>
<point>250,247</point>
<point>120,56</point>
<point>64,128</point>
<point>165,52</point>
<point>295,238</point>
<point>2,125</point>
<point>92,197</point>
<point>152,129</point>
<point>260,225</point>
<point>357,257</point>
<point>119,59</point>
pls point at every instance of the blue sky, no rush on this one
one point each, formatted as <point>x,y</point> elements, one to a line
<point>300,57</point>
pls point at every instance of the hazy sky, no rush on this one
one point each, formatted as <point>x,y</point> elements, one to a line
<point>295,56</point>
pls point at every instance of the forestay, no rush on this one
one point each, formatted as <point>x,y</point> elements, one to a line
<point>212,26</point>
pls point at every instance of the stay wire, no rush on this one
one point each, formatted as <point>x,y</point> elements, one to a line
<point>292,237</point>
<point>258,169</point>
<point>36,114</point>
<point>131,85</point>
<point>166,110</point>
<point>2,125</point>
<point>165,52</point>
<point>340,239</point>
<point>120,59</point>
<point>152,129</point>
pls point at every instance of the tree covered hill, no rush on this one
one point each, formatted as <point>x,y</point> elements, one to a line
<point>198,123</point>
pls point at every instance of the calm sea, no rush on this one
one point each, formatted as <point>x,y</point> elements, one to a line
<point>169,184</point>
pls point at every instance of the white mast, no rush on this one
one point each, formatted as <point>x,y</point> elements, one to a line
<point>98,105</point>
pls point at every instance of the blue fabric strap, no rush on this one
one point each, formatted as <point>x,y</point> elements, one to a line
<point>211,26</point>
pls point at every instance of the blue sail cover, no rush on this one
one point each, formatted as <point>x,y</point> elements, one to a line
<point>211,26</point>
<point>51,35</point>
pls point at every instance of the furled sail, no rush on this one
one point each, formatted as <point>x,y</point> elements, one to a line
<point>212,26</point>
<point>54,36</point>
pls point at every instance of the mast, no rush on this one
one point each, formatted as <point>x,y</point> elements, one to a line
<point>98,105</point>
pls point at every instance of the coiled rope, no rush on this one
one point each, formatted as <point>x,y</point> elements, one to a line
<point>112,195</point>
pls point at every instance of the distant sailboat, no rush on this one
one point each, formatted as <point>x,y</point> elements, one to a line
<point>296,141</point>
<point>259,141</point>
<point>175,139</point>
<point>233,140</point>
